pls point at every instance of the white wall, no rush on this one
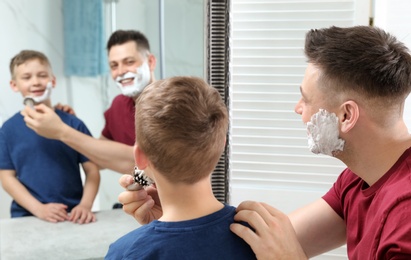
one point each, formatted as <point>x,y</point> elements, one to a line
<point>394,17</point>
<point>38,25</point>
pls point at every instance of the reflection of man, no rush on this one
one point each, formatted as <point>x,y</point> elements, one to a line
<point>132,67</point>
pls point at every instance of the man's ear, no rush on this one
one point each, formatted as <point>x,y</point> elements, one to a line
<point>152,62</point>
<point>13,86</point>
<point>140,158</point>
<point>350,114</point>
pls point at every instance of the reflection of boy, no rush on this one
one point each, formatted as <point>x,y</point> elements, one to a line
<point>181,125</point>
<point>43,175</point>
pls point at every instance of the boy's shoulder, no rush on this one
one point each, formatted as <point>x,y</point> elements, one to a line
<point>13,121</point>
<point>73,121</point>
<point>66,116</point>
<point>69,119</point>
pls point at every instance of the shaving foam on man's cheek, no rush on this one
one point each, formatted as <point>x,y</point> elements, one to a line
<point>140,80</point>
<point>323,133</point>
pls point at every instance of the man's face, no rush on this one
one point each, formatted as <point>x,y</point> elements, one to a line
<point>124,58</point>
<point>322,125</point>
<point>31,78</point>
<point>312,99</point>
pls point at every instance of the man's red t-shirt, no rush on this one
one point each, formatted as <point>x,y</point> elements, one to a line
<point>120,120</point>
<point>378,218</point>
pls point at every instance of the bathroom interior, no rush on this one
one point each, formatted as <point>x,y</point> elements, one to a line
<point>268,159</point>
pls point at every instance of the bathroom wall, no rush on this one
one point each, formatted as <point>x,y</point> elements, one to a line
<point>394,17</point>
<point>38,25</point>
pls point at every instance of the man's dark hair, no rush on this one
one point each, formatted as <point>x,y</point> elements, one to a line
<point>123,36</point>
<point>363,59</point>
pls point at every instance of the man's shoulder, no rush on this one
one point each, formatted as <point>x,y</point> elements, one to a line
<point>120,102</point>
<point>122,99</point>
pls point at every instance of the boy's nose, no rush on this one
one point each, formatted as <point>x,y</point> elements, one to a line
<point>36,81</point>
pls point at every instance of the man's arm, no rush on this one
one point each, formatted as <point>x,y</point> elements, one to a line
<point>318,227</point>
<point>105,153</point>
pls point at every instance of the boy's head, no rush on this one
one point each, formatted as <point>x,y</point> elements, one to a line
<point>130,61</point>
<point>30,73</point>
<point>181,126</point>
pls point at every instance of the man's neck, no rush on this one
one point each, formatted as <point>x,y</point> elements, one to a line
<point>372,156</point>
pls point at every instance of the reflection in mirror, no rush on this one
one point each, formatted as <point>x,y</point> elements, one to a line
<point>39,26</point>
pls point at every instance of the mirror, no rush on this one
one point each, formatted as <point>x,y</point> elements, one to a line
<point>39,26</point>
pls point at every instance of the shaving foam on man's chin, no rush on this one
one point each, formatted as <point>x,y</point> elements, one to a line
<point>34,100</point>
<point>140,80</point>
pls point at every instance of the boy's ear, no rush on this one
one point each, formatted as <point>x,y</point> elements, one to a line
<point>13,86</point>
<point>351,113</point>
<point>53,81</point>
<point>140,158</point>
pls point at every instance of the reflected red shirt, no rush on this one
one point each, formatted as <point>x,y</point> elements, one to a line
<point>120,120</point>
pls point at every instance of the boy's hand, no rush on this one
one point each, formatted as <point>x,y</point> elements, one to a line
<point>144,205</point>
<point>82,215</point>
<point>52,212</point>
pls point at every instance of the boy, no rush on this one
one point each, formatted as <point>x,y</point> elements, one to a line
<point>43,176</point>
<point>181,125</point>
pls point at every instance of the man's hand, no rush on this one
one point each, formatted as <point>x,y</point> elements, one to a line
<point>52,212</point>
<point>44,121</point>
<point>65,108</point>
<point>274,236</point>
<point>144,205</point>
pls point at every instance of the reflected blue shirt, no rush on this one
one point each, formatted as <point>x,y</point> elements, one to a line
<point>49,169</point>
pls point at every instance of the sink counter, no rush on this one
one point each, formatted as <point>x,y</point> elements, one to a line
<point>32,238</point>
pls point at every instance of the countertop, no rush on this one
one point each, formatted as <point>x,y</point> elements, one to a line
<point>32,238</point>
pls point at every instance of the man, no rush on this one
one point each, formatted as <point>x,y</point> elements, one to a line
<point>132,67</point>
<point>353,96</point>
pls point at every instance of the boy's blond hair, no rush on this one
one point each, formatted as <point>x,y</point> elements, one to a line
<point>27,55</point>
<point>181,126</point>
